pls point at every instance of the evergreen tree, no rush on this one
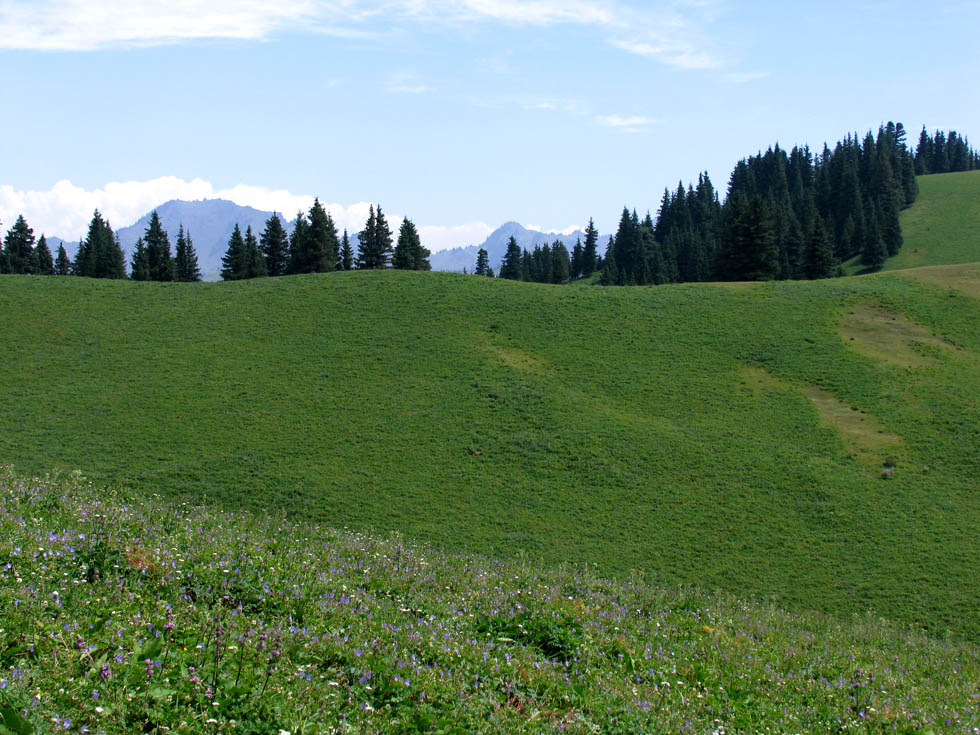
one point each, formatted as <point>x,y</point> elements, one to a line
<point>18,246</point>
<point>275,246</point>
<point>296,263</point>
<point>44,263</point>
<point>62,265</point>
<point>482,263</point>
<point>875,252</point>
<point>589,250</point>
<point>374,242</point>
<point>253,265</point>
<point>577,252</point>
<point>99,254</point>
<point>409,253</point>
<point>233,261</point>
<point>158,250</point>
<point>346,253</point>
<point>511,266</point>
<point>139,266</point>
<point>322,245</point>
<point>820,260</point>
<point>561,266</point>
<point>186,268</point>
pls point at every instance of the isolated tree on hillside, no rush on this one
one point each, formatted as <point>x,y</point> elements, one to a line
<point>346,260</point>
<point>275,246</point>
<point>18,246</point>
<point>62,265</point>
<point>44,263</point>
<point>186,268</point>
<point>158,250</point>
<point>233,261</point>
<point>482,262</point>
<point>374,242</point>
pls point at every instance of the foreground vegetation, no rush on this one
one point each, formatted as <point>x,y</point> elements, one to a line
<point>121,614</point>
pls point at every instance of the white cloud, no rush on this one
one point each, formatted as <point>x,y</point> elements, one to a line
<point>673,52</point>
<point>667,31</point>
<point>437,237</point>
<point>626,123</point>
<point>90,24</point>
<point>65,210</point>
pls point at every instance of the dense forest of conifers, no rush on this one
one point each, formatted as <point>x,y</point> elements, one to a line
<point>786,216</point>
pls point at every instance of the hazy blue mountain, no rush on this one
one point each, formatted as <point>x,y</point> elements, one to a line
<point>457,259</point>
<point>210,223</point>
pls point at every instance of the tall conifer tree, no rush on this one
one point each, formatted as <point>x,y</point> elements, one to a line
<point>233,261</point>
<point>158,250</point>
<point>44,263</point>
<point>482,263</point>
<point>62,265</point>
<point>186,268</point>
<point>374,242</point>
<point>18,245</point>
<point>589,250</point>
<point>296,262</point>
<point>253,265</point>
<point>139,265</point>
<point>510,268</point>
<point>346,253</point>
<point>275,246</point>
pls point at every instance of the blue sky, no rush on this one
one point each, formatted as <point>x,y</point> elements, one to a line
<point>460,114</point>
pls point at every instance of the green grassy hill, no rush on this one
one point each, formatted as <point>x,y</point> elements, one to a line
<point>943,226</point>
<point>732,437</point>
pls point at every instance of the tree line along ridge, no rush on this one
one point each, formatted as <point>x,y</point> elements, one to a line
<point>786,215</point>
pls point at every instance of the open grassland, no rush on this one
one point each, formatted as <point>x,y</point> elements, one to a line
<point>733,437</point>
<point>122,614</point>
<point>943,227</point>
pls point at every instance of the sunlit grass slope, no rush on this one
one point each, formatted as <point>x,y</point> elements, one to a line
<point>121,614</point>
<point>728,436</point>
<point>943,226</point>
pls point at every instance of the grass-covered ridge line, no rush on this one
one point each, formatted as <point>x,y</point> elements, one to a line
<point>589,425</point>
<point>120,614</point>
<point>943,227</point>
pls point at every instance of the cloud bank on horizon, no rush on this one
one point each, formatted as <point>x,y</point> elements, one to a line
<point>65,210</point>
<point>671,33</point>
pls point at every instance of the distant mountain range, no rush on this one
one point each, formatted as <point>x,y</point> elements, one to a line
<point>456,259</point>
<point>210,223</point>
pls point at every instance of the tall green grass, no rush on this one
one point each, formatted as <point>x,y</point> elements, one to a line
<point>125,614</point>
<point>614,427</point>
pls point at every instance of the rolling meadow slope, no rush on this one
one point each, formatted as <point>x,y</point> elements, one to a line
<point>735,437</point>
<point>943,227</point>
